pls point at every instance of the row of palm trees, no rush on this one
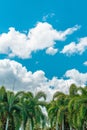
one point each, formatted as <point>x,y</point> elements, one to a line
<point>17,110</point>
<point>69,109</point>
<point>24,110</point>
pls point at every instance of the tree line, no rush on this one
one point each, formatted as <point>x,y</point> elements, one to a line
<point>23,110</point>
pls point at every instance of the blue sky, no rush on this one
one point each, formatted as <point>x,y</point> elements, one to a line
<point>48,36</point>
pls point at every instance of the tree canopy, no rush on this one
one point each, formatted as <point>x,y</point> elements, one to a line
<point>24,110</point>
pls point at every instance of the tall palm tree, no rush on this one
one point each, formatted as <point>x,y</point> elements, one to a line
<point>82,107</point>
<point>62,101</point>
<point>72,95</point>
<point>61,106</point>
<point>31,109</point>
<point>12,107</point>
<point>54,110</point>
<point>3,96</point>
<point>78,108</point>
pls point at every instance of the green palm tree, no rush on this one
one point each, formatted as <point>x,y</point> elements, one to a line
<point>12,107</point>
<point>62,101</point>
<point>72,95</point>
<point>31,110</point>
<point>54,110</point>
<point>82,107</point>
<point>78,108</point>
<point>3,96</point>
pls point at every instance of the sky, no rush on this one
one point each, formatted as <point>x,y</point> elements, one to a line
<point>43,45</point>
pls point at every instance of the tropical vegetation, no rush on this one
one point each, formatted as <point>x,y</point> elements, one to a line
<point>24,110</point>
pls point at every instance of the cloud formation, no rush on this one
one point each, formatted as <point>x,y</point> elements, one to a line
<point>13,74</point>
<point>85,63</point>
<point>42,36</point>
<point>51,51</point>
<point>74,48</point>
<point>16,77</point>
<point>75,75</point>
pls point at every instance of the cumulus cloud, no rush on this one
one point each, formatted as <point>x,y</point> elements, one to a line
<point>16,77</point>
<point>75,75</point>
<point>51,51</point>
<point>13,74</point>
<point>73,47</point>
<point>42,36</point>
<point>85,63</point>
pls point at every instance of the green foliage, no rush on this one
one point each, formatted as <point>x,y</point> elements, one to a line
<point>24,109</point>
<point>73,90</point>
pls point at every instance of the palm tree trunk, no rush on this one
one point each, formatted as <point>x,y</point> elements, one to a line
<point>63,124</point>
<point>31,126</point>
<point>70,128</point>
<point>7,122</point>
<point>57,125</point>
<point>22,126</point>
<point>83,127</point>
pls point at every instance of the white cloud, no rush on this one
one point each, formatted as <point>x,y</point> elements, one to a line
<point>51,51</point>
<point>85,63</point>
<point>42,36</point>
<point>75,75</point>
<point>73,47</point>
<point>14,75</point>
<point>60,84</point>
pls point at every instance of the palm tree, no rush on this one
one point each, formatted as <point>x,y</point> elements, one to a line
<point>52,109</point>
<point>55,108</point>
<point>82,101</point>
<point>78,108</point>
<point>12,107</point>
<point>62,101</point>
<point>60,107</point>
<point>3,96</point>
<point>72,95</point>
<point>31,110</point>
